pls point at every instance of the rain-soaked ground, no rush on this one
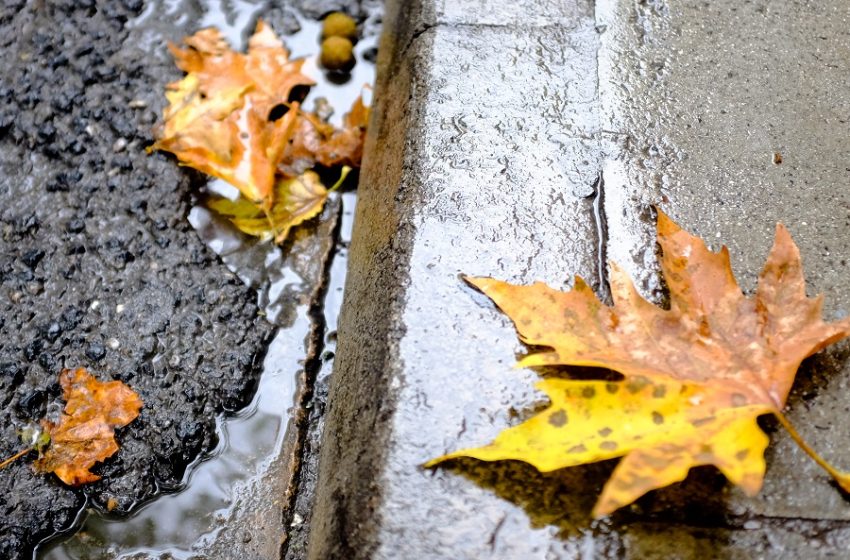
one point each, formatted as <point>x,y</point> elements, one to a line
<point>229,472</point>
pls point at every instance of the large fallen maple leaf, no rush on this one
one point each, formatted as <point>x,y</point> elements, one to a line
<point>84,434</point>
<point>219,117</point>
<point>695,376</point>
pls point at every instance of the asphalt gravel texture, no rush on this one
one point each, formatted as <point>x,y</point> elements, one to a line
<point>99,267</point>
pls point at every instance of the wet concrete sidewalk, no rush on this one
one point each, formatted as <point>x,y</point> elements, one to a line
<point>529,142</point>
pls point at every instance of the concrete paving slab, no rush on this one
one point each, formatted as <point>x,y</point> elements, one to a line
<point>731,132</point>
<point>679,106</point>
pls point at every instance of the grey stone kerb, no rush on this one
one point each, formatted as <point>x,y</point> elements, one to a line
<point>528,141</point>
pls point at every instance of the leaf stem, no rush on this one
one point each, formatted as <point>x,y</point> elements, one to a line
<point>841,477</point>
<point>342,175</point>
<point>15,457</point>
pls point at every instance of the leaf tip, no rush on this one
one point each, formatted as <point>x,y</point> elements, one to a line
<point>480,283</point>
<point>664,224</point>
<point>782,236</point>
<point>432,463</point>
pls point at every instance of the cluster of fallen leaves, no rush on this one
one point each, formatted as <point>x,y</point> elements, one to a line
<point>695,377</point>
<point>233,117</point>
<point>85,432</point>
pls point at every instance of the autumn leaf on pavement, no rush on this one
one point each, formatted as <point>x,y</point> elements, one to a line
<point>218,120</point>
<point>296,201</point>
<point>695,376</point>
<point>231,118</point>
<point>84,434</point>
<point>316,141</point>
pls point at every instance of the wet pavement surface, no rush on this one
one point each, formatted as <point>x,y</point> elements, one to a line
<point>531,143</point>
<point>101,268</point>
<point>526,141</point>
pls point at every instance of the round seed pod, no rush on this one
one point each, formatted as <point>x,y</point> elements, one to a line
<point>339,24</point>
<point>337,54</point>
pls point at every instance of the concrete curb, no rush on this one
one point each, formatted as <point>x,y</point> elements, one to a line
<point>490,135</point>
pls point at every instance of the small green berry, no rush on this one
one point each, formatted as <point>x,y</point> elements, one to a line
<point>339,24</point>
<point>337,53</point>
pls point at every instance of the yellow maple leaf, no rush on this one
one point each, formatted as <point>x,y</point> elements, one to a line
<point>695,376</point>
<point>296,200</point>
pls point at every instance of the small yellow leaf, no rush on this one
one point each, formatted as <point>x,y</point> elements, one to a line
<point>295,201</point>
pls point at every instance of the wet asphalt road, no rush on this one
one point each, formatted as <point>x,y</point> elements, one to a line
<point>99,267</point>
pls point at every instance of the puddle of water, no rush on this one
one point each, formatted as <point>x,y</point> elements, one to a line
<point>179,525</point>
<point>341,93</point>
<point>234,18</point>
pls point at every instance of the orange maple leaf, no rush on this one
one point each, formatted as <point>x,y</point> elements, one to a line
<point>85,433</point>
<point>218,120</point>
<point>221,120</point>
<point>695,376</point>
<point>316,141</point>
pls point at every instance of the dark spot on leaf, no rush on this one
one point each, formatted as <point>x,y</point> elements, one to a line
<point>298,93</point>
<point>608,445</point>
<point>558,418</point>
<point>742,454</point>
<point>277,112</point>
<point>577,449</point>
<point>659,391</point>
<point>588,392</point>
<point>637,384</point>
<point>612,388</point>
<point>605,432</point>
<point>657,418</point>
<point>702,421</point>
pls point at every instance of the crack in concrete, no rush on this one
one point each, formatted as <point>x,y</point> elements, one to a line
<point>312,366</point>
<point>416,34</point>
<point>601,237</point>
